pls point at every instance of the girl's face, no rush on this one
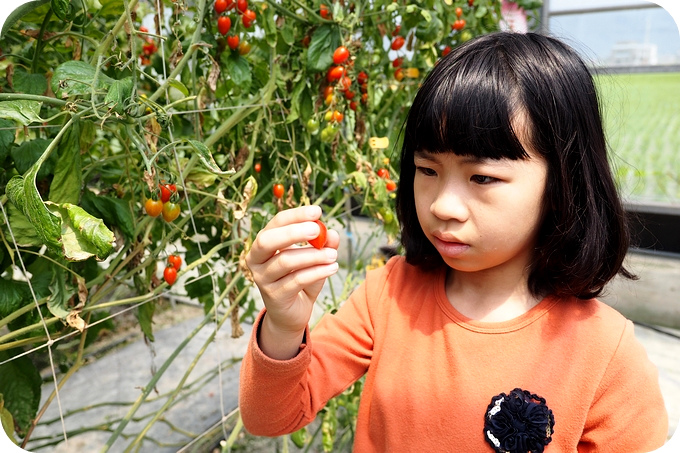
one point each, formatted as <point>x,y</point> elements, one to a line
<point>480,214</point>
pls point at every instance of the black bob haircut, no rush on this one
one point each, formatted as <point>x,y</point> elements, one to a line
<point>467,105</point>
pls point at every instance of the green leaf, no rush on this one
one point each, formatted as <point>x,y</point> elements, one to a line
<point>113,211</point>
<point>200,286</point>
<point>119,94</point>
<point>325,40</point>
<point>6,137</point>
<point>288,34</point>
<point>295,101</point>
<point>7,420</point>
<point>145,318</point>
<point>430,31</point>
<point>63,9</point>
<point>481,12</point>
<point>112,7</point>
<point>20,12</point>
<point>238,69</point>
<point>27,154</point>
<point>29,83</point>
<point>83,235</point>
<point>22,228</point>
<point>269,25</point>
<point>179,86</point>
<point>57,301</point>
<point>25,112</point>
<point>75,78</point>
<point>20,387</point>
<point>68,172</point>
<point>24,195</point>
<point>13,296</point>
<point>206,157</point>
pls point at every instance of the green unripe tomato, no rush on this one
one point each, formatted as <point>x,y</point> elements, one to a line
<point>312,126</point>
<point>328,134</point>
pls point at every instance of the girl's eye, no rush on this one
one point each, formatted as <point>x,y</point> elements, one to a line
<point>482,179</point>
<point>426,171</point>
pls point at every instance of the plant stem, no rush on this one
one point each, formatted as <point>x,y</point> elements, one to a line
<point>31,97</point>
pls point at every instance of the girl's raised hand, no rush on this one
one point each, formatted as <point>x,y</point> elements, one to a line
<point>290,276</point>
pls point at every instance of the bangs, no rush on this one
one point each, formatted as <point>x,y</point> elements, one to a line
<point>469,106</point>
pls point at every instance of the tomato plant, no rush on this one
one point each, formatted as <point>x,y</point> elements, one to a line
<point>225,98</point>
<point>320,241</point>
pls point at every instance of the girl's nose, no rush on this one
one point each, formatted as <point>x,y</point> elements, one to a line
<point>450,204</point>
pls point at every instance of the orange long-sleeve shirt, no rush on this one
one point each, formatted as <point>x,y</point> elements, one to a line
<point>431,372</point>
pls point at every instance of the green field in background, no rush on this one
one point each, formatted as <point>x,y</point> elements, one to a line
<point>642,122</point>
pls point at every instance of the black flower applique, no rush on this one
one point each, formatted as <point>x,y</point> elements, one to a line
<point>518,423</point>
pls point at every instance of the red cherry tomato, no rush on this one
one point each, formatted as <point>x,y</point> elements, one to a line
<point>258,167</point>
<point>397,62</point>
<point>458,24</point>
<point>459,11</point>
<point>390,185</point>
<point>170,211</point>
<point>383,173</point>
<point>153,207</point>
<point>340,55</point>
<point>278,190</point>
<point>446,51</point>
<point>345,83</point>
<point>233,41</point>
<point>170,275</point>
<point>399,74</point>
<point>323,11</point>
<point>349,95</point>
<point>248,17</point>
<point>143,29</point>
<point>220,6</point>
<point>335,73</point>
<point>242,5</point>
<point>398,43</point>
<point>166,191</point>
<point>319,241</point>
<point>175,261</point>
<point>396,30</point>
<point>362,78</point>
<point>223,25</point>
<point>353,105</point>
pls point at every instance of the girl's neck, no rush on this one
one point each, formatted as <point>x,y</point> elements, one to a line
<point>483,296</point>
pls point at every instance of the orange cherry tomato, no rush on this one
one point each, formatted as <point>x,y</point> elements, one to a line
<point>170,211</point>
<point>153,207</point>
<point>278,190</point>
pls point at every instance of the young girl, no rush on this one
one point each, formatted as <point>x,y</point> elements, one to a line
<point>486,336</point>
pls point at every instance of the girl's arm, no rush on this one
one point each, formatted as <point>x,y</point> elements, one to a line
<point>289,276</point>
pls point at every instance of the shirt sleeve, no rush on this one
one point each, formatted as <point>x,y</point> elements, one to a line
<point>628,413</point>
<point>281,396</point>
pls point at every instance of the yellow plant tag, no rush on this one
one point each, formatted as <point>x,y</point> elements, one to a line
<point>378,142</point>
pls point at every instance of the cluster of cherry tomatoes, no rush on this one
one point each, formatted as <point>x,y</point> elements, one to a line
<point>459,23</point>
<point>167,204</point>
<point>148,49</point>
<point>383,173</point>
<point>171,269</point>
<point>224,24</point>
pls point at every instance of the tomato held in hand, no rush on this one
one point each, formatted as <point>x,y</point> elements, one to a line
<point>153,207</point>
<point>319,241</point>
<point>278,190</point>
<point>170,211</point>
<point>170,275</point>
<point>175,261</point>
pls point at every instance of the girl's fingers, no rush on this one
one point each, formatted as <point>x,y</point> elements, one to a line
<point>310,280</point>
<point>292,260</point>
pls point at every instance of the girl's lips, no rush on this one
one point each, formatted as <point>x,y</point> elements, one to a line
<point>449,248</point>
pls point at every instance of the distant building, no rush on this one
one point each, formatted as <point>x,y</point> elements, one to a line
<point>633,54</point>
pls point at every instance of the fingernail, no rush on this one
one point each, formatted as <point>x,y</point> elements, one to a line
<point>313,211</point>
<point>331,254</point>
